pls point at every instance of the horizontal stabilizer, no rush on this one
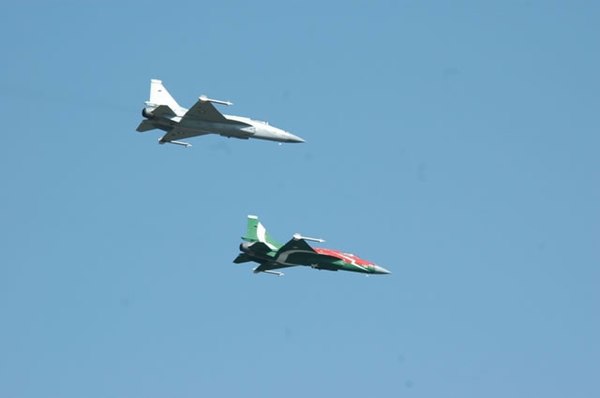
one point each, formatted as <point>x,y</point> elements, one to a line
<point>145,125</point>
<point>242,258</point>
<point>163,111</point>
<point>260,247</point>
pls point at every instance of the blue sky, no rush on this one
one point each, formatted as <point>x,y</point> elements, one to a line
<point>454,143</point>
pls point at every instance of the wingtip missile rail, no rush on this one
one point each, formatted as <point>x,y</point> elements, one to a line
<point>204,98</point>
<point>185,144</point>
<point>270,272</point>
<point>297,236</point>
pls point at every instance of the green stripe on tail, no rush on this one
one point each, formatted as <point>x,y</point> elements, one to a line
<point>256,232</point>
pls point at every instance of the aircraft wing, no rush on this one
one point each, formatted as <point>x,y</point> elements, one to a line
<point>177,134</point>
<point>270,266</point>
<point>296,245</point>
<point>204,110</point>
<point>299,247</point>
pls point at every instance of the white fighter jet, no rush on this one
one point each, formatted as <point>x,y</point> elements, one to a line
<point>162,112</point>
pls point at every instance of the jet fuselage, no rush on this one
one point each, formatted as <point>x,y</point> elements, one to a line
<point>327,259</point>
<point>233,127</point>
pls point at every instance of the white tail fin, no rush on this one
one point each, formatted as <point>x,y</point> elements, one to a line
<point>160,96</point>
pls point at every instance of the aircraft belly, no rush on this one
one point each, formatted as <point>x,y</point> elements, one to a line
<point>178,133</point>
<point>328,267</point>
<point>301,257</point>
<point>226,129</point>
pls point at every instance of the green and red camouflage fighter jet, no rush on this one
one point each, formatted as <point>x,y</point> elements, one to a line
<point>259,247</point>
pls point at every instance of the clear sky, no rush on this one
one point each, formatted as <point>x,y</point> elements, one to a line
<point>454,143</point>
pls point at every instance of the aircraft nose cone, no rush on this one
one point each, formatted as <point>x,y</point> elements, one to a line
<point>381,270</point>
<point>294,138</point>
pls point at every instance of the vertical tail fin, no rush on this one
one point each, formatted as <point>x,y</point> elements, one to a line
<point>256,232</point>
<point>160,96</point>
